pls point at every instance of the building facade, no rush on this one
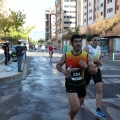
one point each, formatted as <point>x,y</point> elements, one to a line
<point>65,17</point>
<point>107,9</point>
<point>50,26</point>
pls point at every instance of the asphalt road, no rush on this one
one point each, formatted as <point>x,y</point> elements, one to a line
<point>41,95</point>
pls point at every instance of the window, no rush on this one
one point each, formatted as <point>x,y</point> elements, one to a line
<point>90,18</point>
<point>72,6</point>
<point>90,4</point>
<point>101,13</point>
<point>90,11</point>
<point>72,11</point>
<point>85,13</point>
<point>66,22</point>
<point>84,20</point>
<point>66,11</point>
<point>66,27</point>
<point>101,5</point>
<point>72,0</point>
<point>109,10</point>
<point>66,6</point>
<point>109,1</point>
<point>85,7</point>
<point>66,0</point>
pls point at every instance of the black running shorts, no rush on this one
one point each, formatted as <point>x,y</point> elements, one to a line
<point>80,90</point>
<point>96,78</point>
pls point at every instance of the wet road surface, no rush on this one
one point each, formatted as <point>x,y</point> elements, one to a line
<point>42,96</point>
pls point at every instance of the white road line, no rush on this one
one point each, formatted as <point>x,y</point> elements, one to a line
<point>111,76</point>
<point>118,95</point>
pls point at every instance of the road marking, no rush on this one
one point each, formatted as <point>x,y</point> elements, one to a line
<point>118,95</point>
<point>111,76</point>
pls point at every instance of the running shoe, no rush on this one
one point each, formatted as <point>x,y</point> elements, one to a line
<point>100,114</point>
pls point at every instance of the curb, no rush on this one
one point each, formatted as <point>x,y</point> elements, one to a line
<point>17,76</point>
<point>2,61</point>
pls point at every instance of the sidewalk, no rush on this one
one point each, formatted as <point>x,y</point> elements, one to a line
<point>11,75</point>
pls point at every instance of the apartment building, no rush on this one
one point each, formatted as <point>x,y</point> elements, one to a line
<point>65,17</point>
<point>50,19</point>
<point>106,9</point>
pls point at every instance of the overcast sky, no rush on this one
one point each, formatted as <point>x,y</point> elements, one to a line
<point>35,13</point>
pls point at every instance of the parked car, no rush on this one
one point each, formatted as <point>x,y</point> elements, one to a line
<point>55,47</point>
<point>12,49</point>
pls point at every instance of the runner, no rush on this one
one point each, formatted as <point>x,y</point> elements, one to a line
<point>76,61</point>
<point>95,52</point>
<point>51,51</point>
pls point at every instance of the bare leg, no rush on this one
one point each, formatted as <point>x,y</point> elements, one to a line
<point>75,105</point>
<point>98,94</point>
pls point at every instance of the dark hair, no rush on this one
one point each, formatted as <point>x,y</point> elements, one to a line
<point>19,43</point>
<point>95,35</point>
<point>75,36</point>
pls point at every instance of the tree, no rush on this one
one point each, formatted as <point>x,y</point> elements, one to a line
<point>110,24</point>
<point>77,31</point>
<point>70,33</point>
<point>89,37</point>
<point>106,25</point>
<point>99,24</point>
<point>21,33</point>
<point>12,20</point>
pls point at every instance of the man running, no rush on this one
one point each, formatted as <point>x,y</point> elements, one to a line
<point>51,51</point>
<point>75,84</point>
<point>95,52</point>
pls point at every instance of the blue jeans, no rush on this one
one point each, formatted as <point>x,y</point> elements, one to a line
<point>19,59</point>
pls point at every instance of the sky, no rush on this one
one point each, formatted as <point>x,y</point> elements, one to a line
<point>35,14</point>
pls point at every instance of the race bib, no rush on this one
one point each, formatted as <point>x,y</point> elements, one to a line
<point>76,75</point>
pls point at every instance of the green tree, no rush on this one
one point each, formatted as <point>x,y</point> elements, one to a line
<point>70,33</point>
<point>77,31</point>
<point>106,25</point>
<point>12,20</point>
<point>22,33</point>
<point>89,37</point>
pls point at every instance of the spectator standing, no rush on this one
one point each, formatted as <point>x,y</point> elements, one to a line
<point>43,48</point>
<point>25,50</point>
<point>19,53</point>
<point>6,52</point>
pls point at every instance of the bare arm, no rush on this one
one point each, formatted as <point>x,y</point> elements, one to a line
<point>92,69</point>
<point>86,49</point>
<point>60,68</point>
<point>90,66</point>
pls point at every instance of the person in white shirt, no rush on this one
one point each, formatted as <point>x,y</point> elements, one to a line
<point>43,48</point>
<point>94,51</point>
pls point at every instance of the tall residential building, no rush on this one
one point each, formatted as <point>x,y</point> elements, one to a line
<point>50,19</point>
<point>79,13</point>
<point>65,17</point>
<point>106,9</point>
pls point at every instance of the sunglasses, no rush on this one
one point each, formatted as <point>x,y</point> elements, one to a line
<point>96,40</point>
